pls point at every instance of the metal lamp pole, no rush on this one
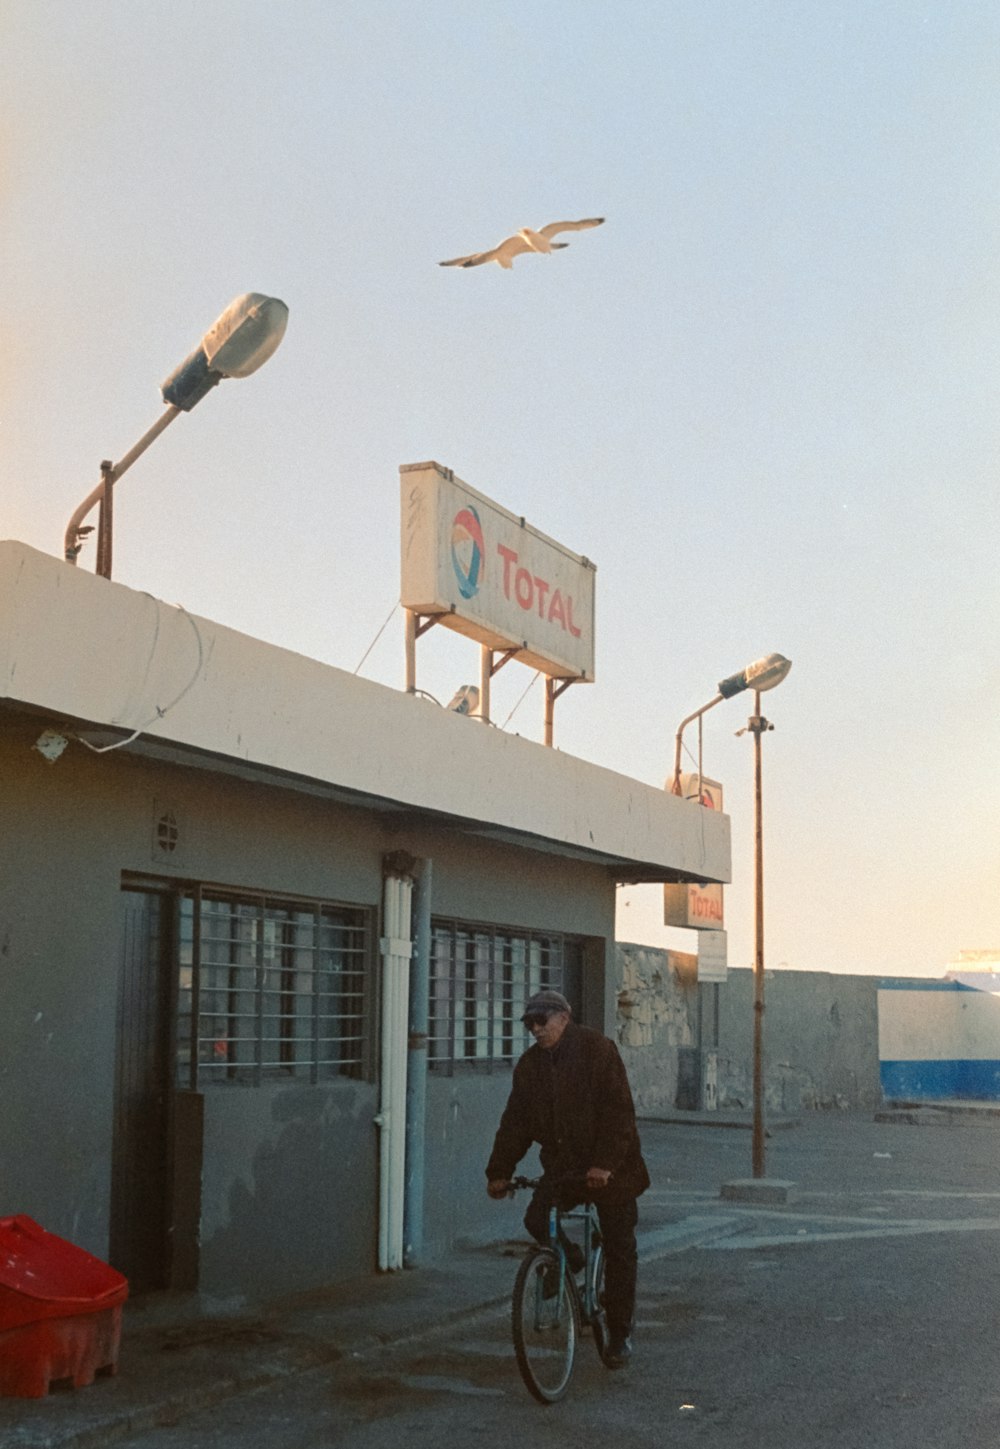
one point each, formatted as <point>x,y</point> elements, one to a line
<point>761,675</point>
<point>757,725</point>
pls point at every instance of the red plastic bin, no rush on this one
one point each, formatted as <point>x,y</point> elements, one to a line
<point>60,1311</point>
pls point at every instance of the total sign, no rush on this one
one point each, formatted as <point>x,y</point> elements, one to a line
<point>697,907</point>
<point>488,574</point>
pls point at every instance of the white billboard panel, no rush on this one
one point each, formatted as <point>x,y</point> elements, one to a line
<point>493,577</point>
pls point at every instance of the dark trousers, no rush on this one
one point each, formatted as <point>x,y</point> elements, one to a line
<point>618,1217</point>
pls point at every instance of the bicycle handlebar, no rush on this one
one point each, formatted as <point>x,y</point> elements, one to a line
<point>574,1181</point>
<point>515,1183</point>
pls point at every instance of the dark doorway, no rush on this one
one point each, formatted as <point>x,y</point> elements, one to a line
<point>140,1152</point>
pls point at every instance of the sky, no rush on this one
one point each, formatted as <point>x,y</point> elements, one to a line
<point>763,397</point>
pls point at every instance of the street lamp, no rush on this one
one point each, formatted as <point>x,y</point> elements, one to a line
<point>761,675</point>
<point>237,343</point>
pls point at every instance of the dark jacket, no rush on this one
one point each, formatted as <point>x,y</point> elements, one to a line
<point>575,1101</point>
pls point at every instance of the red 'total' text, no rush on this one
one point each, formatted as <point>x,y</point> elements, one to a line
<point>704,907</point>
<point>536,595</point>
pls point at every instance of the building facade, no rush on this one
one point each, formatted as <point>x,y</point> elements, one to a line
<point>212,850</point>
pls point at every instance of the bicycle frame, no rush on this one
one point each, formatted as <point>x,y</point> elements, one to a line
<point>587,1215</point>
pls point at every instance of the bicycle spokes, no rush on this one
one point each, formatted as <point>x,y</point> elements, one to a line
<point>545,1324</point>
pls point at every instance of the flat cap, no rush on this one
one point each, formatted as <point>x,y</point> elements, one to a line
<point>548,1002</point>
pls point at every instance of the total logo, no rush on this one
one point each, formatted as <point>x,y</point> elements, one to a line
<point>468,551</point>
<point>531,592</point>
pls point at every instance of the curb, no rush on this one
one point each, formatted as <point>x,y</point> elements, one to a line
<point>112,1427</point>
<point>717,1120</point>
<point>936,1115</point>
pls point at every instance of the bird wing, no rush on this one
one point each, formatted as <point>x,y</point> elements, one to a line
<point>470,261</point>
<point>555,227</point>
<point>509,248</point>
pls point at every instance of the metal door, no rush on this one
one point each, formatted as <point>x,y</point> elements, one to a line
<point>140,1152</point>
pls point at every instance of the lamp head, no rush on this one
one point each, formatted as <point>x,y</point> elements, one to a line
<point>236,344</point>
<point>760,675</point>
<point>246,335</point>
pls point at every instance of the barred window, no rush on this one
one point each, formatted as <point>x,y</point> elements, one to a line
<point>271,989</point>
<point>480,980</point>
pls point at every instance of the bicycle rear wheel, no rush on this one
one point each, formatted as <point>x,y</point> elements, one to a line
<point>545,1328</point>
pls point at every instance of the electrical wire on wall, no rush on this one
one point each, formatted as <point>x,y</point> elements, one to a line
<point>161,710</point>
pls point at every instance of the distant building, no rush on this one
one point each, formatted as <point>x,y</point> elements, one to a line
<point>211,852</point>
<point>978,969</point>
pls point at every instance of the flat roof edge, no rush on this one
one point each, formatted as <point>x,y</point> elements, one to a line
<point>181,679</point>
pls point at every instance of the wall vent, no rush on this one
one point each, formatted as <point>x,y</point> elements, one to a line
<point>168,834</point>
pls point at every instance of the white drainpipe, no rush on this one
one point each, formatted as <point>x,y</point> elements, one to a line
<point>396,947</point>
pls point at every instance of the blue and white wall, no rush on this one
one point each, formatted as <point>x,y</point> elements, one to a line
<point>938,1040</point>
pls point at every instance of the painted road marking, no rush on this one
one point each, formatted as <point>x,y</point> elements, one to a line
<point>751,1240</point>
<point>441,1384</point>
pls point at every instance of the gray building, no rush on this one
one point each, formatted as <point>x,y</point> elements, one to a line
<point>212,850</point>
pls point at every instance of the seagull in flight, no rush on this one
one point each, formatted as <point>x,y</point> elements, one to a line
<point>525,240</point>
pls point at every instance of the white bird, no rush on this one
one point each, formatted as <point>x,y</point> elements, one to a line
<point>525,240</point>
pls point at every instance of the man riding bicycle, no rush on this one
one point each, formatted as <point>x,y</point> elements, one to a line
<point>570,1094</point>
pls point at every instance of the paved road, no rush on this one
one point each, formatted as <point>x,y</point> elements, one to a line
<point>865,1314</point>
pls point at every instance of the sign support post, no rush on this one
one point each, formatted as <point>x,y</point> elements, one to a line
<point>553,689</point>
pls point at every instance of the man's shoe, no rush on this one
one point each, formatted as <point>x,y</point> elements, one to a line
<point>550,1281</point>
<point>618,1351</point>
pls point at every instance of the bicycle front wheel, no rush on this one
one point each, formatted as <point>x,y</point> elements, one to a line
<point>599,1322</point>
<point>546,1325</point>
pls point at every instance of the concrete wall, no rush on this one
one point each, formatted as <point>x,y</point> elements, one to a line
<point>820,1040</point>
<point>657,1028</point>
<point>820,1035</point>
<point>463,1116</point>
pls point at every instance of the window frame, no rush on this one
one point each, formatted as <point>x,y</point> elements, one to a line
<point>277,1057</point>
<point>477,1000</point>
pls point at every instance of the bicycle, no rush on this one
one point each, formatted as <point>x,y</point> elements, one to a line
<point>548,1306</point>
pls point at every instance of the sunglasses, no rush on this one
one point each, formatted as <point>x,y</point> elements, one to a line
<point>535,1018</point>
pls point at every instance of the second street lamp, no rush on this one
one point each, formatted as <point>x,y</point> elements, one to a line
<point>760,675</point>
<point>236,344</point>
<point>763,674</point>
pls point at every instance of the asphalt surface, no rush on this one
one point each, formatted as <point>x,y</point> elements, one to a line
<point>861,1312</point>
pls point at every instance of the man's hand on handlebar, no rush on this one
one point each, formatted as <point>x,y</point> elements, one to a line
<point>596,1178</point>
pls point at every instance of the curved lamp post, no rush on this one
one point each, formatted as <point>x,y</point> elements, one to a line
<point>237,343</point>
<point>761,675</point>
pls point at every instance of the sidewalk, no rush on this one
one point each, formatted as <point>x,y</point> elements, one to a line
<point>181,1353</point>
